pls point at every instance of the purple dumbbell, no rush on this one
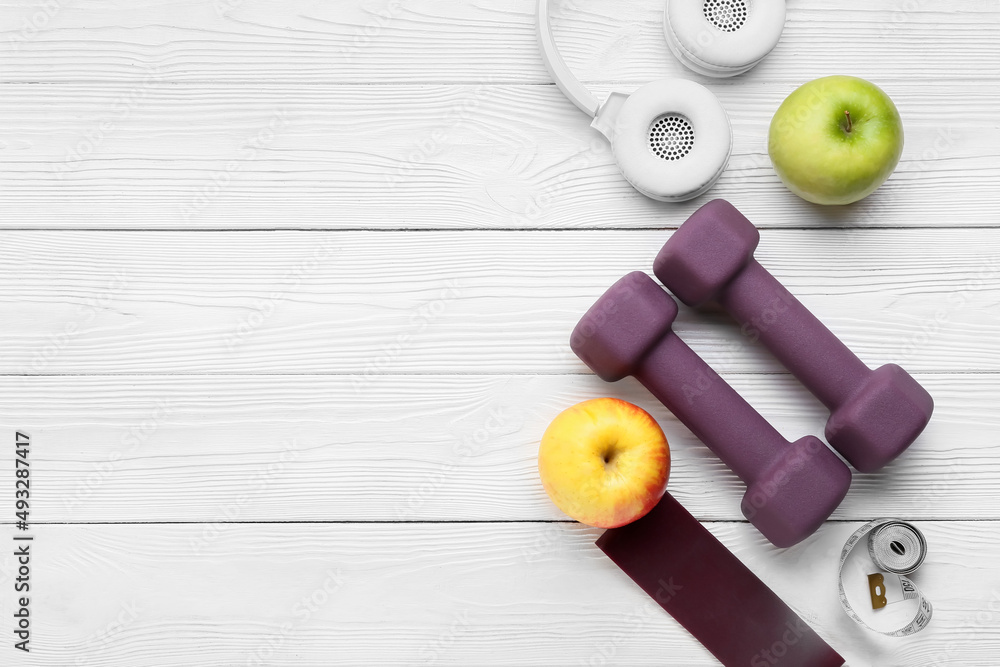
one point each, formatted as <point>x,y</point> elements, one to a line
<point>791,487</point>
<point>876,414</point>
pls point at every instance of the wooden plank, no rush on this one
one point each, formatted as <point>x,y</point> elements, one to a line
<point>527,594</point>
<point>159,155</point>
<point>410,448</point>
<point>220,379</point>
<point>425,40</point>
<point>368,303</point>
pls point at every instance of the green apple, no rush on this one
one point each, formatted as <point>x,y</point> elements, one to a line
<point>835,140</point>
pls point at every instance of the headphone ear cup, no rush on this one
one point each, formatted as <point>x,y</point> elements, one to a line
<point>672,139</point>
<point>722,37</point>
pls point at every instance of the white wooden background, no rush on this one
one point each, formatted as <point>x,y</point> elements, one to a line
<point>285,294</point>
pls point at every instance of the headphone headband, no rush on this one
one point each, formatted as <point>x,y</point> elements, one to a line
<point>554,63</point>
<point>671,138</point>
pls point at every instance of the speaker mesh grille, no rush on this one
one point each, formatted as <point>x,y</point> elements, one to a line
<point>726,15</point>
<point>671,137</point>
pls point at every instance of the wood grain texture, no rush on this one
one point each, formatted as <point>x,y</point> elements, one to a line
<point>153,154</point>
<point>418,448</point>
<point>383,41</point>
<point>526,594</point>
<point>366,384</point>
<point>368,303</point>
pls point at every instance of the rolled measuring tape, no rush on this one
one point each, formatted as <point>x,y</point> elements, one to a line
<point>874,581</point>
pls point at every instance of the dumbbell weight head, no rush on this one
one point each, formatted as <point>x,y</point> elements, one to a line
<point>621,327</point>
<point>706,253</point>
<point>791,487</point>
<point>792,498</point>
<point>876,415</point>
<point>880,420</point>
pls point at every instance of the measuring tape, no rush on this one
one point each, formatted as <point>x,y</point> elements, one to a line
<point>894,547</point>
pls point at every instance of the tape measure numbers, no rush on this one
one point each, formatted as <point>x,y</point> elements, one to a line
<point>895,548</point>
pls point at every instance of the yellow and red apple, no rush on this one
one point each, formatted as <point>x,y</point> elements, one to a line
<point>604,462</point>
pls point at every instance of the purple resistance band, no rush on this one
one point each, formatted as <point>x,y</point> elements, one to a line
<point>692,575</point>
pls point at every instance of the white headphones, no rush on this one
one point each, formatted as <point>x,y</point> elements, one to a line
<point>671,138</point>
<point>722,37</point>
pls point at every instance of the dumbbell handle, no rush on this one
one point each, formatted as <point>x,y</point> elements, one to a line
<point>809,350</point>
<point>710,408</point>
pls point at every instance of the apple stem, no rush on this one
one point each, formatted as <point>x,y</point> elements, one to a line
<point>849,124</point>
